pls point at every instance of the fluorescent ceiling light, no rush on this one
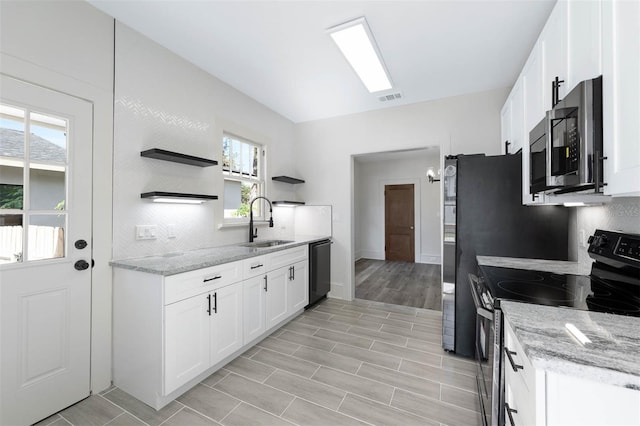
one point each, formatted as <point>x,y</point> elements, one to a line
<point>356,42</point>
<point>574,204</point>
<point>177,201</point>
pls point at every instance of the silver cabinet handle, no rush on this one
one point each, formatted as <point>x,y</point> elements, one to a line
<point>515,366</point>
<point>265,283</point>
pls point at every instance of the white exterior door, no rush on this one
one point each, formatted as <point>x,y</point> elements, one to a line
<point>45,250</point>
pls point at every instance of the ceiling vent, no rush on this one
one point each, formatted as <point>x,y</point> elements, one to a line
<point>390,97</point>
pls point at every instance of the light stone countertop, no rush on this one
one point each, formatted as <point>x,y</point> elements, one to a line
<point>612,357</point>
<point>553,266</point>
<point>176,263</point>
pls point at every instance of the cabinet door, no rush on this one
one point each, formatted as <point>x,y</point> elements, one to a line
<point>553,42</point>
<point>276,296</point>
<point>254,305</point>
<point>186,341</point>
<point>505,124</point>
<point>226,321</point>
<point>298,287</point>
<point>517,117</point>
<point>621,96</point>
<point>584,41</point>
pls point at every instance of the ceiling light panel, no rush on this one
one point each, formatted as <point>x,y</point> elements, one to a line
<point>356,42</point>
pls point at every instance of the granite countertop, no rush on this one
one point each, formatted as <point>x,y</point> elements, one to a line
<point>553,266</point>
<point>176,263</point>
<point>612,357</point>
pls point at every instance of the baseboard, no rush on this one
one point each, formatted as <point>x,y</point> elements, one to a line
<point>337,291</point>
<point>372,254</point>
<point>429,258</point>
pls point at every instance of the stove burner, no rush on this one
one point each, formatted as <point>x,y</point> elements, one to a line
<point>516,274</point>
<point>619,307</point>
<point>540,293</point>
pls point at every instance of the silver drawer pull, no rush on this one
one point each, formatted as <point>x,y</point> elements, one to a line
<point>515,366</point>
<point>510,412</point>
<point>260,265</point>
<point>217,277</point>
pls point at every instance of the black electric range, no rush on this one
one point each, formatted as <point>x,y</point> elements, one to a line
<point>612,287</point>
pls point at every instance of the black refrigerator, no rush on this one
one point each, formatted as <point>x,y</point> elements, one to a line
<point>484,216</point>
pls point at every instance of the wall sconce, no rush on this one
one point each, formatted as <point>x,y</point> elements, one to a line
<point>431,175</point>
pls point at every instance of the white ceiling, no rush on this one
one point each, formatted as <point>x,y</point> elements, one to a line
<point>278,52</point>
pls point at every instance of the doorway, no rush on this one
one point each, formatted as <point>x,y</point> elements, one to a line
<point>399,225</point>
<point>45,250</point>
<point>415,280</point>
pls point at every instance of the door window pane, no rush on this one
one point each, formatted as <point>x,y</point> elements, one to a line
<point>10,238</point>
<point>46,236</point>
<point>11,157</point>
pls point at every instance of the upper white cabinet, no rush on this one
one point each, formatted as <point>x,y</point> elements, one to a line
<point>582,40</point>
<point>621,96</point>
<point>553,46</point>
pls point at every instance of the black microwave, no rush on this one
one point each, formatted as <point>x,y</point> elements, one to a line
<point>566,146</point>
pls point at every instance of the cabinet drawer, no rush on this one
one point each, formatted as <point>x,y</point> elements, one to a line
<point>525,370</point>
<point>254,266</point>
<point>286,257</point>
<point>181,286</point>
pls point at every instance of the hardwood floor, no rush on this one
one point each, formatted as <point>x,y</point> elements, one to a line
<point>399,283</point>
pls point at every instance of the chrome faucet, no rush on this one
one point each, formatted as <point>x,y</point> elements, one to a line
<point>251,233</point>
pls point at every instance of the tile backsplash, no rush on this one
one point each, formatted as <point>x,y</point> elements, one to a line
<point>621,214</point>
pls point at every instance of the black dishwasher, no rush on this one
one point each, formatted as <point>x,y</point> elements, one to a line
<point>319,270</point>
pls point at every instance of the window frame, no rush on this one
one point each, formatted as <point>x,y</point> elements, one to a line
<point>260,180</point>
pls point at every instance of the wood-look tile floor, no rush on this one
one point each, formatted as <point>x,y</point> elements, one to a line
<point>400,283</point>
<point>340,363</point>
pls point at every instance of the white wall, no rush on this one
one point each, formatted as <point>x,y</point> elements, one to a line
<point>163,101</point>
<point>324,150</point>
<point>370,177</point>
<point>68,46</point>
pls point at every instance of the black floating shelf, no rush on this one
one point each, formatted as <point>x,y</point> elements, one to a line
<point>178,196</point>
<point>287,179</point>
<point>176,157</point>
<point>288,203</point>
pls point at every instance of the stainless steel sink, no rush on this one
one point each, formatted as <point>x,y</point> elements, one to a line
<point>266,243</point>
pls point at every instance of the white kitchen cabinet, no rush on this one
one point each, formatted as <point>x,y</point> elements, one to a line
<point>254,299</point>
<point>534,396</point>
<point>276,296</point>
<point>517,117</point>
<point>226,322</point>
<point>169,332</point>
<point>553,46</point>
<point>621,96</point>
<point>298,287</point>
<point>505,125</point>
<point>186,348</point>
<point>584,41</point>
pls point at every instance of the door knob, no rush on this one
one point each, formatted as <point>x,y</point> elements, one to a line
<point>80,244</point>
<point>411,227</point>
<point>81,265</point>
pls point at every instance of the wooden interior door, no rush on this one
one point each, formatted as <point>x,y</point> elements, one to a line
<point>399,228</point>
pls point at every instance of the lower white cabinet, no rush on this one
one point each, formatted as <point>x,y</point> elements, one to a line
<point>186,349</point>
<point>170,332</point>
<point>534,396</point>
<point>276,297</point>
<point>254,297</point>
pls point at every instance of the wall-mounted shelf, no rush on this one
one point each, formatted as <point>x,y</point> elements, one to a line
<point>177,197</point>
<point>176,157</point>
<point>288,203</point>
<point>287,179</point>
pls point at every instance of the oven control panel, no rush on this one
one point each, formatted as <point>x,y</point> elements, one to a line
<point>615,248</point>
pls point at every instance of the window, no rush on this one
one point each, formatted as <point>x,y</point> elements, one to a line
<point>242,167</point>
